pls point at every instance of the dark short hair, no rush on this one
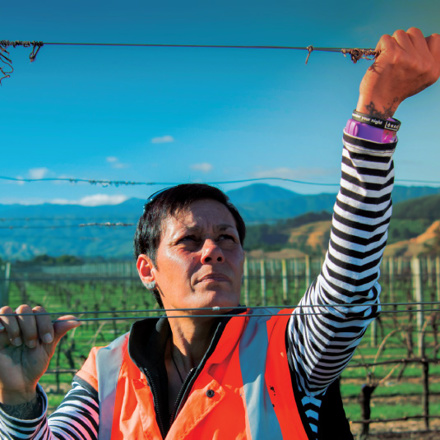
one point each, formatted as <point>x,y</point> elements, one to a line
<point>166,203</point>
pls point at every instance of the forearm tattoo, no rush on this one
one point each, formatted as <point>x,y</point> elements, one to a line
<point>25,411</point>
<point>385,114</point>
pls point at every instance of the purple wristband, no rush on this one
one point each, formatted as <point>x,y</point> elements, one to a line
<point>369,133</point>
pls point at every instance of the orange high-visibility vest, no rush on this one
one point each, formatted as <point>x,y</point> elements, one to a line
<point>244,390</point>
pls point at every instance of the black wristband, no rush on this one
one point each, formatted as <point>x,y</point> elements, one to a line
<point>386,124</point>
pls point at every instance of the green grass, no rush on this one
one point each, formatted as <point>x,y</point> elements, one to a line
<point>397,409</point>
<point>402,388</point>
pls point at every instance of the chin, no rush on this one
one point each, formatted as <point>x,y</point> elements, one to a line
<point>216,298</point>
<point>225,301</point>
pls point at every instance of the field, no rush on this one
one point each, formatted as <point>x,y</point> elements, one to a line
<point>397,361</point>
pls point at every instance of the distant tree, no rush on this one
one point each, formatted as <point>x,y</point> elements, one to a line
<point>68,260</point>
<point>403,229</point>
<point>421,208</point>
<point>44,260</point>
<point>267,237</point>
<point>273,237</point>
<point>47,260</point>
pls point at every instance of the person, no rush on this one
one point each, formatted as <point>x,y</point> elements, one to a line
<point>246,373</point>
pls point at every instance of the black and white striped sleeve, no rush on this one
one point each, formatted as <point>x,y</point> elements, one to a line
<point>76,418</point>
<point>345,296</point>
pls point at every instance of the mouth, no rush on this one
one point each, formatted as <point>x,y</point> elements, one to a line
<point>214,277</point>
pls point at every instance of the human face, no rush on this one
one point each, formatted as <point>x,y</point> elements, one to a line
<point>199,261</point>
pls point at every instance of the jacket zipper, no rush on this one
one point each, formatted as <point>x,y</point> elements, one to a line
<point>155,400</point>
<point>194,372</point>
<point>182,393</point>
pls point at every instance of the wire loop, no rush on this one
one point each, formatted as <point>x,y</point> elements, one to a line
<point>356,54</point>
<point>5,61</point>
<point>36,46</point>
<point>310,49</point>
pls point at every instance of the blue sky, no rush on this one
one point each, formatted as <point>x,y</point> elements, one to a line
<point>195,115</point>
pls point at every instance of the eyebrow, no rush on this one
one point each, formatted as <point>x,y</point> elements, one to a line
<point>224,226</point>
<point>220,227</point>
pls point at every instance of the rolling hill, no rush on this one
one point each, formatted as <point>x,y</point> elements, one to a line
<point>28,231</point>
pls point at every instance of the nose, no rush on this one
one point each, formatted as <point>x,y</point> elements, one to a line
<point>212,252</point>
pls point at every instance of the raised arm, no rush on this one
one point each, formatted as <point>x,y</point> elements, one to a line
<point>323,339</point>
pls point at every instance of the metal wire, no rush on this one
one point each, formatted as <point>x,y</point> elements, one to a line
<point>228,315</point>
<point>355,53</point>
<point>133,183</point>
<point>276,306</point>
<point>244,308</point>
<point>117,183</point>
<point>81,225</point>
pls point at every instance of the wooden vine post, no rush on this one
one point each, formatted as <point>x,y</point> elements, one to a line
<point>416,273</point>
<point>429,272</point>
<point>4,284</point>
<point>373,333</point>
<point>295,275</point>
<point>263,282</point>
<point>285,281</point>
<point>392,297</point>
<point>437,277</point>
<point>308,270</point>
<point>246,282</point>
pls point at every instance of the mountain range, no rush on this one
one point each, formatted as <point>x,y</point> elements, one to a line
<point>30,230</point>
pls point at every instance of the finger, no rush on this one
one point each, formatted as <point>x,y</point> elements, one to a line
<point>433,42</point>
<point>28,326</point>
<point>11,327</point>
<point>383,42</point>
<point>63,324</point>
<point>386,49</point>
<point>432,58</point>
<point>417,39</point>
<point>44,325</point>
<point>403,40</point>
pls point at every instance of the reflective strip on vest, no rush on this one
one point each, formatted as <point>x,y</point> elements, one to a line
<point>108,364</point>
<point>254,344</point>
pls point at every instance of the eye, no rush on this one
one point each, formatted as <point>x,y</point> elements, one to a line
<point>189,239</point>
<point>228,237</point>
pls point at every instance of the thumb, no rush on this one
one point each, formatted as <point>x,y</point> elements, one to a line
<point>63,324</point>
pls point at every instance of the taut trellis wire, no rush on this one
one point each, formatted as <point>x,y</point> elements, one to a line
<point>116,183</point>
<point>355,53</point>
<point>299,308</point>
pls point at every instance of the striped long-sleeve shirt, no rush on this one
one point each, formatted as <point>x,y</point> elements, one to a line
<point>322,338</point>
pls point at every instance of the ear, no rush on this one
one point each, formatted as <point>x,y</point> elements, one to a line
<point>145,268</point>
